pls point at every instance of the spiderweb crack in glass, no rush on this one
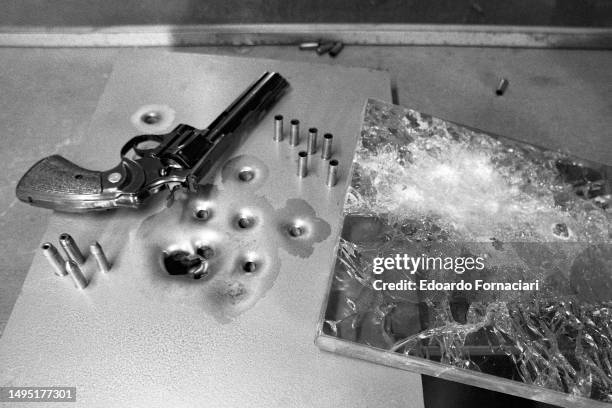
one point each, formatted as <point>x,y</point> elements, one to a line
<point>422,185</point>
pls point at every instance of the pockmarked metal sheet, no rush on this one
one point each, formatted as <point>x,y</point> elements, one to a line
<point>240,331</point>
<point>474,258</point>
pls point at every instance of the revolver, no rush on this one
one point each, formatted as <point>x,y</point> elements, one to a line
<point>148,162</point>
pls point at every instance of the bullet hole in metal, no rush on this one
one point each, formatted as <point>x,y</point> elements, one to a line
<point>296,231</point>
<point>184,263</point>
<point>249,267</point>
<point>246,175</point>
<point>78,176</point>
<point>205,252</point>
<point>151,117</point>
<point>245,222</point>
<point>203,214</point>
<point>200,271</point>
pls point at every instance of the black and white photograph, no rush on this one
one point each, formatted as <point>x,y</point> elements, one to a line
<point>327,204</point>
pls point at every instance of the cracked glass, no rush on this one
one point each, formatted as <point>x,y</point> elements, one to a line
<point>434,190</point>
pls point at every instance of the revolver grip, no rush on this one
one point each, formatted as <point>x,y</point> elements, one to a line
<point>57,183</point>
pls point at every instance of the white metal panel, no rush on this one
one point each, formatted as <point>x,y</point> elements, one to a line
<point>129,339</point>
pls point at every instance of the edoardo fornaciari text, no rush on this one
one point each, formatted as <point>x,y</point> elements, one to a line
<point>478,284</point>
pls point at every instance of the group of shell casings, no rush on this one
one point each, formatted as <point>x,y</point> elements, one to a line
<point>311,148</point>
<point>74,259</point>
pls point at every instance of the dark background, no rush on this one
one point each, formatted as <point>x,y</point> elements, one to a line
<point>593,13</point>
<point>439,393</point>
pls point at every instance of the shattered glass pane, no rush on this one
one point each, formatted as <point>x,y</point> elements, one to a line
<point>432,189</point>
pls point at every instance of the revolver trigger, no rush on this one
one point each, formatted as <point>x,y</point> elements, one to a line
<point>171,196</point>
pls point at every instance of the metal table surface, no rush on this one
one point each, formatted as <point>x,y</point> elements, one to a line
<point>557,98</point>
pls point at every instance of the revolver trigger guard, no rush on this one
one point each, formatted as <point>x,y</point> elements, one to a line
<point>135,141</point>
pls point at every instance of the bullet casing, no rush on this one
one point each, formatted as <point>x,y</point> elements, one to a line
<point>324,48</point>
<point>71,248</point>
<point>294,135</point>
<point>54,258</point>
<point>502,86</point>
<point>309,45</point>
<point>77,275</point>
<point>278,128</point>
<point>302,164</point>
<point>312,140</point>
<point>101,260</point>
<point>336,49</point>
<point>332,173</point>
<point>326,151</point>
